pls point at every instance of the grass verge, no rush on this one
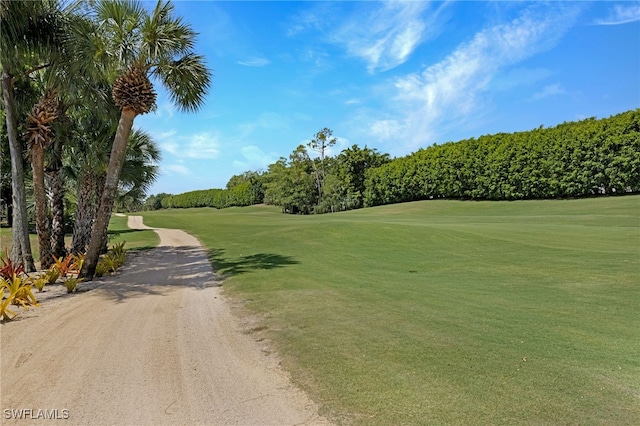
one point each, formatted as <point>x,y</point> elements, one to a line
<point>118,231</point>
<point>444,312</point>
<point>136,239</point>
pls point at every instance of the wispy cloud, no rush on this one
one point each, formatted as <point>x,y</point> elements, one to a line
<point>255,62</point>
<point>314,18</point>
<point>176,168</point>
<point>254,158</point>
<point>445,94</point>
<point>385,37</point>
<point>201,146</point>
<point>550,90</point>
<point>622,14</point>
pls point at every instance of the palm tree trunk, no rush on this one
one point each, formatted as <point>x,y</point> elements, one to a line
<point>101,224</point>
<point>57,209</point>
<point>42,216</point>
<point>21,247</point>
<point>84,215</point>
<point>89,192</point>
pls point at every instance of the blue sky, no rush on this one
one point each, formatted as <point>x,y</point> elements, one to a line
<point>396,76</point>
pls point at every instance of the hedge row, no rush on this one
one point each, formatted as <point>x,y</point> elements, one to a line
<point>575,159</point>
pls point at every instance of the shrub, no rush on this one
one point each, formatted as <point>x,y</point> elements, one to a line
<point>110,262</point>
<point>8,269</point>
<point>78,261</point>
<point>101,268</point>
<point>72,283</point>
<point>52,275</point>
<point>40,282</point>
<point>16,291</point>
<point>64,265</point>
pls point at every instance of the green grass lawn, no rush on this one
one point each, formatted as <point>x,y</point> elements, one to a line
<point>118,232</point>
<point>135,239</point>
<point>444,312</point>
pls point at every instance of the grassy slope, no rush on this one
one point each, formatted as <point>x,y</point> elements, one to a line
<point>445,311</point>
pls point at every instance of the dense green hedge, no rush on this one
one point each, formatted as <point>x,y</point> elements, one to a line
<point>240,195</point>
<point>574,159</point>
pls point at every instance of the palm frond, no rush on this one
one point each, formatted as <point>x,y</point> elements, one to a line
<point>187,80</point>
<point>119,23</point>
<point>165,36</point>
<point>140,169</point>
<point>29,31</point>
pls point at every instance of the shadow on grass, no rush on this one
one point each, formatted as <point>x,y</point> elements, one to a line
<point>118,232</point>
<point>229,267</point>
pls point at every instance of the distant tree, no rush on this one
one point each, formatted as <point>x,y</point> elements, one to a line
<point>154,202</point>
<point>290,184</point>
<point>321,143</point>
<point>351,168</point>
<point>254,183</point>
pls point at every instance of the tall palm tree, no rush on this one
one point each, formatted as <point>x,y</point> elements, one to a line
<point>87,159</point>
<point>40,136</point>
<point>27,31</point>
<point>63,78</point>
<point>140,45</point>
<point>56,182</point>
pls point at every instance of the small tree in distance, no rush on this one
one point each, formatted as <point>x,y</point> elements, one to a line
<point>321,143</point>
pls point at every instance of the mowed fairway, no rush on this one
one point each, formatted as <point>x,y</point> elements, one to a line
<point>444,312</point>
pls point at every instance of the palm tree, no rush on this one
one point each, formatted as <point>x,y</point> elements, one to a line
<point>40,136</point>
<point>139,170</point>
<point>87,159</point>
<point>62,75</point>
<point>56,182</point>
<point>27,31</point>
<point>140,45</point>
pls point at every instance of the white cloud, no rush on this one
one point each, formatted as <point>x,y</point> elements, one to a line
<point>255,62</point>
<point>254,158</point>
<point>201,146</point>
<point>622,14</point>
<point>176,168</point>
<point>447,93</point>
<point>386,37</point>
<point>550,90</point>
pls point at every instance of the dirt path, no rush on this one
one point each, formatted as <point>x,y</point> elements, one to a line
<point>154,345</point>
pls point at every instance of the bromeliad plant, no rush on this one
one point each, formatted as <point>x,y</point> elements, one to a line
<point>8,268</point>
<point>52,275</point>
<point>78,261</point>
<point>110,262</point>
<point>63,265</point>
<point>16,291</point>
<point>72,283</point>
<point>40,282</point>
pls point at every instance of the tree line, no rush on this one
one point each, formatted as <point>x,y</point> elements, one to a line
<point>574,159</point>
<point>75,75</point>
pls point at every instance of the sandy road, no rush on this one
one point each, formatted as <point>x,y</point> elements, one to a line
<point>154,345</point>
